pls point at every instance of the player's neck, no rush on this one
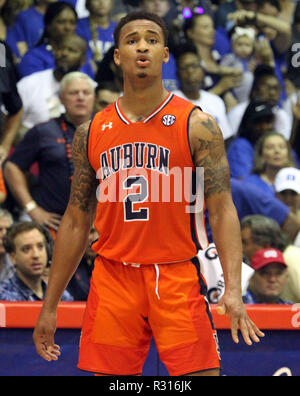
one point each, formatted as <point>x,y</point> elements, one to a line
<point>137,104</point>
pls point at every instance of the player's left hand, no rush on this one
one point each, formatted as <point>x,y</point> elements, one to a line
<point>233,306</point>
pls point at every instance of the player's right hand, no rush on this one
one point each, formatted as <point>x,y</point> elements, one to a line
<point>43,337</point>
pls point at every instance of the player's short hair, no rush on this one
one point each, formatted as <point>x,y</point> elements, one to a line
<point>134,16</point>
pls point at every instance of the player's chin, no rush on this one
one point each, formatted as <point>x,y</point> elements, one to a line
<point>142,75</point>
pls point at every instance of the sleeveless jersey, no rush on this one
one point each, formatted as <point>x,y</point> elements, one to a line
<point>146,193</point>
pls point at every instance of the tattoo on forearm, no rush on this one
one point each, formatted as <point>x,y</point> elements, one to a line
<point>210,154</point>
<point>84,184</point>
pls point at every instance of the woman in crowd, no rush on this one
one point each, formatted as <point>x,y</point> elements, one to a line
<point>60,21</point>
<point>272,153</point>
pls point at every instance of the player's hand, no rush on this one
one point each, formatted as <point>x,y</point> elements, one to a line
<point>43,337</point>
<point>233,306</point>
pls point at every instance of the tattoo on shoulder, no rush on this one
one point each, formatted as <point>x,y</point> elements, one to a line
<point>84,183</point>
<point>210,154</point>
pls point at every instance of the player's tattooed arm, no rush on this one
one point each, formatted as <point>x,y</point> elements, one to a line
<point>84,183</point>
<point>208,151</point>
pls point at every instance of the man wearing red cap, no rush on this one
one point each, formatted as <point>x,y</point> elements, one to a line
<point>269,279</point>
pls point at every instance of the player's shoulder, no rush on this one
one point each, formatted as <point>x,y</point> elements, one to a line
<point>181,103</point>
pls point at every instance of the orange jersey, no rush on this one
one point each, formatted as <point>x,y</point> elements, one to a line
<point>146,185</point>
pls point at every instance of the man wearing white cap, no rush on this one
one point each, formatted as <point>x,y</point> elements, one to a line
<point>287,188</point>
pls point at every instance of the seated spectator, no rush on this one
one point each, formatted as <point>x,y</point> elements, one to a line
<point>212,271</point>
<point>257,120</point>
<point>26,244</point>
<point>266,88</point>
<point>97,29</point>
<point>287,188</point>
<point>272,153</point>
<point>10,103</point>
<point>7,269</point>
<point>218,80</point>
<point>49,145</point>
<point>269,279</point>
<point>29,25</point>
<point>106,94</point>
<point>79,285</point>
<point>260,232</point>
<point>191,75</point>
<point>241,58</point>
<point>60,20</point>
<point>40,90</point>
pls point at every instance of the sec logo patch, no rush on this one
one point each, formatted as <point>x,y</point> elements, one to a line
<point>168,119</point>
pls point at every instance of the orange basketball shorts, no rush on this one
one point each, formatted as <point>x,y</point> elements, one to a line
<point>127,305</point>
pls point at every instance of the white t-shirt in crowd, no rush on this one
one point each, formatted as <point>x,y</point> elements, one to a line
<point>213,105</point>
<point>212,271</point>
<point>39,94</point>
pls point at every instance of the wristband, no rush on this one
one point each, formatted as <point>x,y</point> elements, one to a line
<point>30,206</point>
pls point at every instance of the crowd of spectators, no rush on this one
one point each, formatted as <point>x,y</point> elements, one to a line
<point>239,60</point>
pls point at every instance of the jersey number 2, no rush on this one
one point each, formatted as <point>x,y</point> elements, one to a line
<point>129,213</point>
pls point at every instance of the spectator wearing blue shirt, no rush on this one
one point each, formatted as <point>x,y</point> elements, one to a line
<point>97,29</point>
<point>50,145</point>
<point>257,120</point>
<point>29,25</point>
<point>249,200</point>
<point>27,246</point>
<point>60,20</point>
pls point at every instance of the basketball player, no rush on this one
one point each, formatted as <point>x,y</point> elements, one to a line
<point>147,279</point>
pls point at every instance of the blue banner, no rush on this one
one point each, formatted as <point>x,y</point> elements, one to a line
<point>277,354</point>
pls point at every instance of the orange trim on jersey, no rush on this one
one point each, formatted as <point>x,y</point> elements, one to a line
<point>148,118</point>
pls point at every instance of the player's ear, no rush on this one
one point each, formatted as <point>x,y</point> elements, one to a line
<point>166,55</point>
<point>117,57</point>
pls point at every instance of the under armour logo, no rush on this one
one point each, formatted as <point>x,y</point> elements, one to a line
<point>109,125</point>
